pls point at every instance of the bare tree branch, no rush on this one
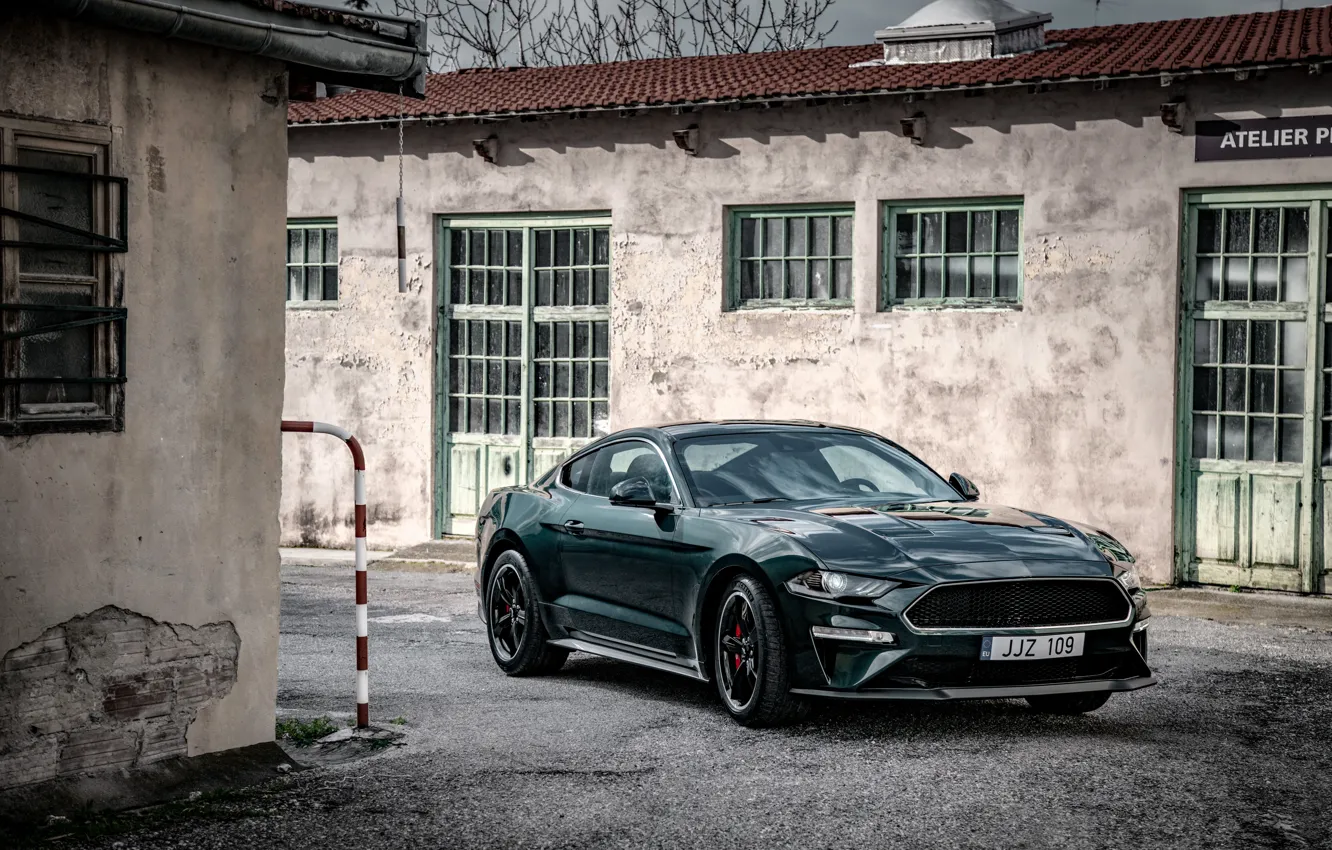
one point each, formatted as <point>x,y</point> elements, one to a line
<point>499,33</point>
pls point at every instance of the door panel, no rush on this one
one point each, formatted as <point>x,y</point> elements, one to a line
<point>1251,339</point>
<point>625,558</point>
<point>1217,525</point>
<point>524,368</point>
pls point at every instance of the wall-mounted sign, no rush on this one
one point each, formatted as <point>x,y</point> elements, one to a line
<point>1263,138</point>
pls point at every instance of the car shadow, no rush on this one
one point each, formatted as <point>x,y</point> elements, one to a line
<point>830,719</point>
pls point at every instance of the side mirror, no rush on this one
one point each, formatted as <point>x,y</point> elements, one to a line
<point>634,492</point>
<point>964,487</point>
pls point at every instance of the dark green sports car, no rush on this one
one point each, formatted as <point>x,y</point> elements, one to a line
<point>786,560</point>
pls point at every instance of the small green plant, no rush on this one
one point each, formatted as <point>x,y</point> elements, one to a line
<point>1234,588</point>
<point>399,721</point>
<point>303,733</point>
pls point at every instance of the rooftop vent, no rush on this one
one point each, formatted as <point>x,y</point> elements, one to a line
<point>963,30</point>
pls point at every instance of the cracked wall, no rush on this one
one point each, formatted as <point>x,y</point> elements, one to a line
<point>1066,405</point>
<point>175,517</point>
<point>106,690</point>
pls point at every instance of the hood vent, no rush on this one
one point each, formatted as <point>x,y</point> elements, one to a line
<point>962,31</point>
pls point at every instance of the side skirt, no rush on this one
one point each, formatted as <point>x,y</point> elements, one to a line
<point>690,672</point>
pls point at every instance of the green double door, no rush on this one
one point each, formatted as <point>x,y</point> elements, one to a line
<point>1255,430</point>
<point>524,353</point>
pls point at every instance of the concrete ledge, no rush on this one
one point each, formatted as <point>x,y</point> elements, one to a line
<point>1249,607</point>
<point>160,782</point>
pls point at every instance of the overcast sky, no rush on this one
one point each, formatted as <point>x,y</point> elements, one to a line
<point>858,19</point>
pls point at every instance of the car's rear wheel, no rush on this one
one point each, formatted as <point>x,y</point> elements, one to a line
<point>1069,703</point>
<point>518,638</point>
<point>750,660</point>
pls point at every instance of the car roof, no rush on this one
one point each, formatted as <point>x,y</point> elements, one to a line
<point>724,426</point>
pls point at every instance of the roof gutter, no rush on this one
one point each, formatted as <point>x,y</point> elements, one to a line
<point>1166,78</point>
<point>386,54</point>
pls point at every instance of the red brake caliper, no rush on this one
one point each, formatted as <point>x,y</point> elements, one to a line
<point>737,655</point>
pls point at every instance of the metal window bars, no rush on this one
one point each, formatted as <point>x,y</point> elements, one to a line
<point>98,242</point>
<point>96,316</point>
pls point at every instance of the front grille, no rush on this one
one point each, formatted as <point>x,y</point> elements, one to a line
<point>1023,603</point>
<point>939,672</point>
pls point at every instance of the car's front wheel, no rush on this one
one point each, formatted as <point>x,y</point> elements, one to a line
<point>1069,703</point>
<point>750,660</point>
<point>518,638</point>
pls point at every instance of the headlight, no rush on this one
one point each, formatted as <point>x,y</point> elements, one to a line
<point>1129,578</point>
<point>826,584</point>
<point>1110,548</point>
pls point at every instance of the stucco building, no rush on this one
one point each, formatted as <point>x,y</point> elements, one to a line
<point>1085,268</point>
<point>143,166</point>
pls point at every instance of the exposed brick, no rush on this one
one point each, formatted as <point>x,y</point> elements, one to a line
<point>108,689</point>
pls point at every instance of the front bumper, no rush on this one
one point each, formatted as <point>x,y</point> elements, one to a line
<point>937,665</point>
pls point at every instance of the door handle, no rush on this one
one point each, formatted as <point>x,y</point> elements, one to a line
<point>574,526</point>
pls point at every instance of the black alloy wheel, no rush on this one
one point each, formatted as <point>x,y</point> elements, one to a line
<point>518,638</point>
<point>750,664</point>
<point>1069,703</point>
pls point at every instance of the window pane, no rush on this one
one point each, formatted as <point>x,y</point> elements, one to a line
<point>1206,341</point>
<point>795,279</point>
<point>541,418</point>
<point>295,284</point>
<point>314,283</point>
<point>543,340</point>
<point>957,277</point>
<point>1262,391</point>
<point>330,283</point>
<point>1267,235</point>
<point>495,245</point>
<point>495,339</point>
<point>601,246</point>
<point>1296,240</point>
<point>563,252</point>
<point>561,382</point>
<point>601,339</point>
<point>1232,437</point>
<point>982,277</point>
<point>1207,286</point>
<point>842,279</point>
<point>1008,278</point>
<point>514,242</point>
<point>295,244</point>
<point>1292,391</point>
<point>1237,231</point>
<point>1209,231</point>
<point>982,231</point>
<point>513,378</point>
<point>1292,441</point>
<point>513,417</point>
<point>543,258</point>
<point>1234,342</point>
<point>748,237</point>
<point>560,427</point>
<point>749,280</point>
<point>331,245</point>
<point>58,354</point>
<point>582,247</point>
<point>772,237</point>
<point>545,283</point>
<point>476,251</point>
<point>314,245</point>
<point>1232,390</point>
<point>820,237</point>
<point>541,386</point>
<point>795,236</point>
<point>842,236</point>
<point>600,380</point>
<point>772,279</point>
<point>581,380</point>
<point>601,286</point>
<point>906,276</point>
<point>820,283</point>
<point>956,225</point>
<point>495,287</point>
<point>906,233</point>
<point>513,345</point>
<point>476,289</point>
<point>1204,436</point>
<point>1292,343</point>
<point>1295,279</point>
<point>64,200</point>
<point>563,287</point>
<point>931,277</point>
<point>1264,342</point>
<point>582,288</point>
<point>931,237</point>
<point>582,345</point>
<point>1265,279</point>
<point>1204,388</point>
<point>1262,440</point>
<point>1237,278</point>
<point>562,339</point>
<point>514,296</point>
<point>1008,230</point>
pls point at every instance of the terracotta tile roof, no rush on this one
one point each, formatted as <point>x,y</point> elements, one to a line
<point>1182,46</point>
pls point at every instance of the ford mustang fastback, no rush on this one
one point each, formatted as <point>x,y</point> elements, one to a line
<point>789,560</point>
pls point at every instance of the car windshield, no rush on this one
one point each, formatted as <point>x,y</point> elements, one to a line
<point>774,466</point>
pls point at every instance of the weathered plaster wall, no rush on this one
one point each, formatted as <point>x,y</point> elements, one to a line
<point>173,521</point>
<point>1066,405</point>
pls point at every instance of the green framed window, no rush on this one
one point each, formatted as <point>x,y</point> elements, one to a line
<point>963,253</point>
<point>791,256</point>
<point>312,260</point>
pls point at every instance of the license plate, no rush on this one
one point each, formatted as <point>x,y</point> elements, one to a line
<point>1028,647</point>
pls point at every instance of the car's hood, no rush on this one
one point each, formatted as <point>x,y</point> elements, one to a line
<point>935,538</point>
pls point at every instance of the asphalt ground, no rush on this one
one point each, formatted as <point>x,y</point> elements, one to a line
<point>1230,750</point>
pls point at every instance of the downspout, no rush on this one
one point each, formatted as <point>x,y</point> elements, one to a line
<point>394,51</point>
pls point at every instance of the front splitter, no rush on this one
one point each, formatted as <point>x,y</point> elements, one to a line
<point>1008,692</point>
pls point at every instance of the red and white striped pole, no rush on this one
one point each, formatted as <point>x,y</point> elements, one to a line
<point>362,590</point>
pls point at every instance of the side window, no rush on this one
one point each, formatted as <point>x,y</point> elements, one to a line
<point>954,254</point>
<point>576,475</point>
<point>312,260</point>
<point>631,459</point>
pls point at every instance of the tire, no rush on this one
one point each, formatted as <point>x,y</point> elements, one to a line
<point>1069,703</point>
<point>750,666</point>
<point>514,630</point>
